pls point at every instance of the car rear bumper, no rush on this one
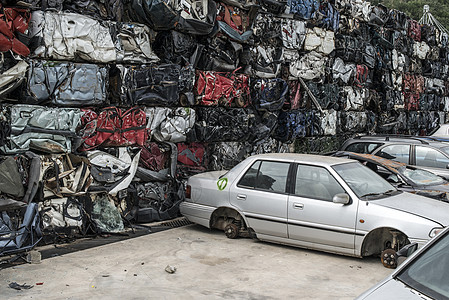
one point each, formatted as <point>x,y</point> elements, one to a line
<point>197,213</point>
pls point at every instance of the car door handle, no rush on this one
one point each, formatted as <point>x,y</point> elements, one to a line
<point>241,197</point>
<point>298,205</point>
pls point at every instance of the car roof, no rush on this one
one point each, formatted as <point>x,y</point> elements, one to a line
<point>390,164</point>
<point>304,158</point>
<point>387,139</point>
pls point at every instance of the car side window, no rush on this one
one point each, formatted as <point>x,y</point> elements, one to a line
<point>316,183</point>
<point>362,147</point>
<point>428,157</point>
<point>249,179</point>
<point>400,153</point>
<point>266,175</point>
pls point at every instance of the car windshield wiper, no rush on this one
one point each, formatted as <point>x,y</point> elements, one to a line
<point>371,194</point>
<point>389,192</point>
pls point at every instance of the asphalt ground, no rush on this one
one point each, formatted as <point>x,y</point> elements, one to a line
<point>206,265</point>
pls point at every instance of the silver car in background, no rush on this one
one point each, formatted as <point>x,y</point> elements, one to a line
<point>325,203</point>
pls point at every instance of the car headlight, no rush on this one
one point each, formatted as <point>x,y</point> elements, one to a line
<point>435,231</point>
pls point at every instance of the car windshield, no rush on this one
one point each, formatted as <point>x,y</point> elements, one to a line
<point>428,273</point>
<point>445,150</point>
<point>363,181</point>
<point>421,177</point>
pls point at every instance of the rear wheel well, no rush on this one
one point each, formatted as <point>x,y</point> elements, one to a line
<point>383,238</point>
<point>223,216</point>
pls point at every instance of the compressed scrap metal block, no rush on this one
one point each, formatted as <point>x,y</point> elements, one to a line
<point>219,88</point>
<point>414,30</point>
<point>235,20</point>
<point>51,130</point>
<point>330,16</point>
<point>293,33</point>
<point>310,66</point>
<point>113,126</point>
<point>176,47</point>
<point>192,158</point>
<point>153,85</point>
<point>12,78</point>
<point>411,101</point>
<point>349,48</point>
<point>329,122</point>
<point>290,126</point>
<point>133,43</point>
<point>397,20</point>
<point>190,16</point>
<point>343,73</point>
<point>304,9</point>
<point>20,237</point>
<point>225,125</point>
<point>354,98</point>
<point>66,83</point>
<point>11,181</point>
<point>99,9</point>
<point>328,95</point>
<point>295,98</point>
<point>267,52</point>
<point>226,155</point>
<point>320,40</point>
<point>70,36</point>
<point>269,94</point>
<point>353,121</point>
<point>379,15</point>
<point>63,213</point>
<point>14,22</point>
<point>156,201</point>
<point>171,125</point>
<point>155,156</point>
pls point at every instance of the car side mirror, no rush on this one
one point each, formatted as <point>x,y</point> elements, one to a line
<point>341,198</point>
<point>447,167</point>
<point>407,250</point>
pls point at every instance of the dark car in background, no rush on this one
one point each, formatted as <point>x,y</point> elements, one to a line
<point>404,177</point>
<point>424,152</point>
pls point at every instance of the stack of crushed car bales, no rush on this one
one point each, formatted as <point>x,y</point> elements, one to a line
<point>107,106</point>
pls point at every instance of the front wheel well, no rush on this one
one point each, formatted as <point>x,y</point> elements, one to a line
<point>383,238</point>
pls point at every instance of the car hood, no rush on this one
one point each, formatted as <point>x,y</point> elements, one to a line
<point>389,289</point>
<point>443,188</point>
<point>432,209</point>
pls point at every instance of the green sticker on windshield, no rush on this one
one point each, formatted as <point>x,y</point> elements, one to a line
<point>222,183</point>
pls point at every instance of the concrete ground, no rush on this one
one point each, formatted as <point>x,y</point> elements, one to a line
<point>208,266</point>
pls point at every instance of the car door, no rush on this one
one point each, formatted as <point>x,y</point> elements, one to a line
<point>431,160</point>
<point>313,219</point>
<point>261,196</point>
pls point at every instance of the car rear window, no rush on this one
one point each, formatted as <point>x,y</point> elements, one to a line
<point>362,147</point>
<point>400,153</point>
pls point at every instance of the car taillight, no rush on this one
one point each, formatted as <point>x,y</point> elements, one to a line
<point>188,191</point>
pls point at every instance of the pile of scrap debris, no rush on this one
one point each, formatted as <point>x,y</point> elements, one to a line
<point>107,106</point>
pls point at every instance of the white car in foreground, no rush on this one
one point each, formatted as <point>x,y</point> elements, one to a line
<point>318,202</point>
<point>423,276</point>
